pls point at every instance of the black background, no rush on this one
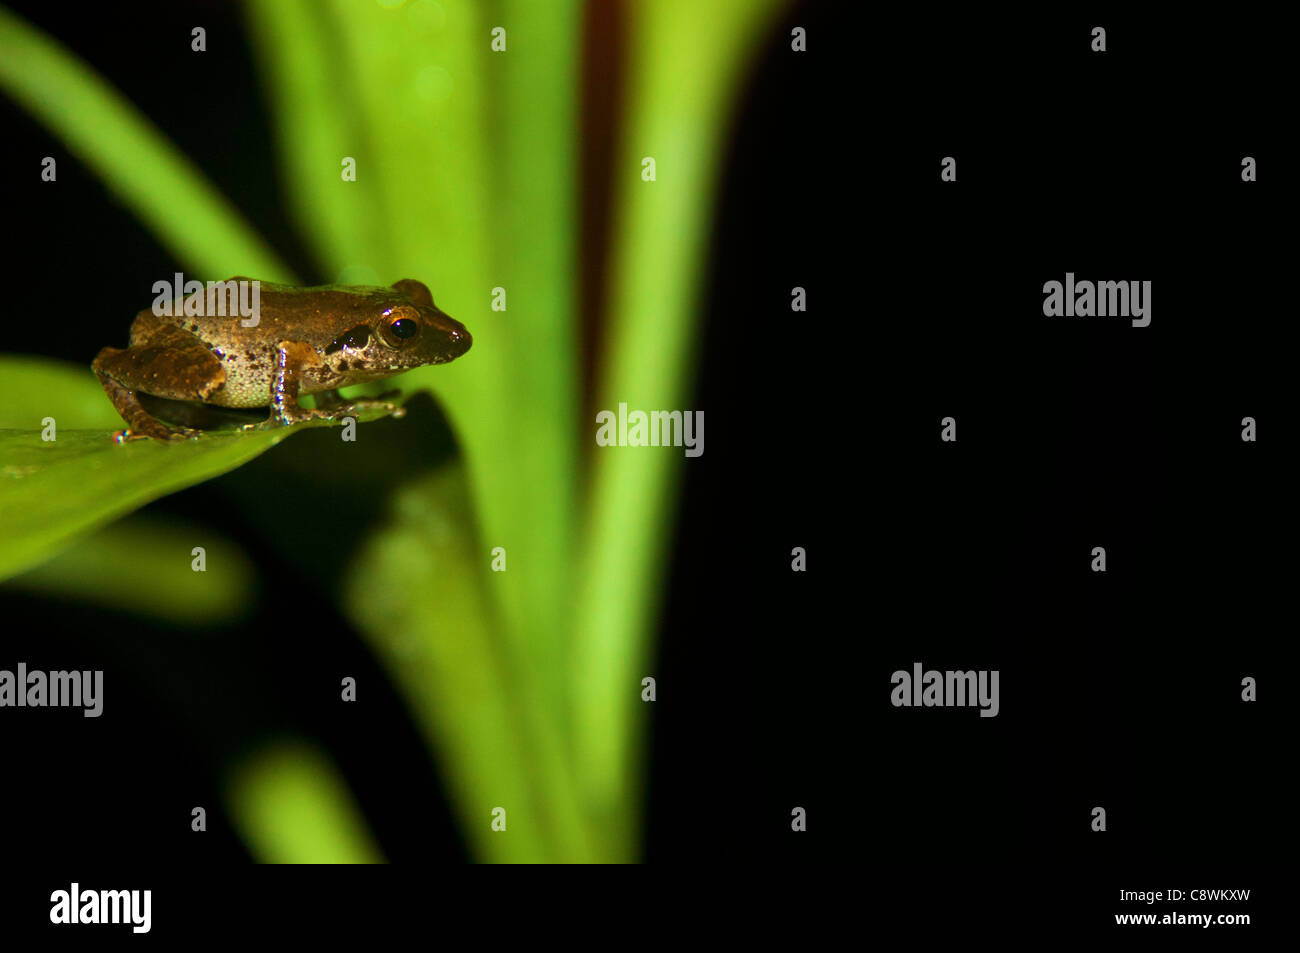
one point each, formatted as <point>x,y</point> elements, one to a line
<point>1119,690</point>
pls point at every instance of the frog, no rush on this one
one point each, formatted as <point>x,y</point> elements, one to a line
<point>303,341</point>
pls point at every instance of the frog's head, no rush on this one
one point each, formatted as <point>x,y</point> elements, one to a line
<point>407,330</point>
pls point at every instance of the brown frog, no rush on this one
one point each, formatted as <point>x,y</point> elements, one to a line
<point>303,341</point>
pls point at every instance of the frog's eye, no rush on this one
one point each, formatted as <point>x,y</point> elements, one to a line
<point>399,326</point>
<point>404,329</point>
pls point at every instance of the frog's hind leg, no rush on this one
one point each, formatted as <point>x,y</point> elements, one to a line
<point>174,366</point>
<point>140,423</point>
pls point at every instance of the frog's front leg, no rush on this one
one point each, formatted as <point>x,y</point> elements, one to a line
<point>292,359</point>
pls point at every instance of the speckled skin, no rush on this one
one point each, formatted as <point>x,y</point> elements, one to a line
<point>307,341</point>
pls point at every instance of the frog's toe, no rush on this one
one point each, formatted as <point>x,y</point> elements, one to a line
<point>286,417</point>
<point>374,403</point>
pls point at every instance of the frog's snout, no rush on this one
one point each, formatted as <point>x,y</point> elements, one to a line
<point>457,336</point>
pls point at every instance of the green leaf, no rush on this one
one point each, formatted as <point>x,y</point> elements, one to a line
<point>293,807</point>
<point>144,566</point>
<point>424,596</point>
<point>465,180</point>
<point>54,491</point>
<point>34,388</point>
<point>686,64</point>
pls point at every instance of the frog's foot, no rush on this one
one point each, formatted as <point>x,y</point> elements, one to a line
<point>332,400</point>
<point>161,432</point>
<point>377,403</point>
<point>288,416</point>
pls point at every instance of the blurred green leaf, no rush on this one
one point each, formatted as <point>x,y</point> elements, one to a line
<point>465,165</point>
<point>423,594</point>
<point>36,387</point>
<point>686,63</point>
<point>293,807</point>
<point>144,566</point>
